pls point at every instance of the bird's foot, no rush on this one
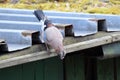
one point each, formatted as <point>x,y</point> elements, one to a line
<point>62,55</point>
<point>48,51</point>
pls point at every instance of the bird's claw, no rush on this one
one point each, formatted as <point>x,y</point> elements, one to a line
<point>62,55</point>
<point>48,51</point>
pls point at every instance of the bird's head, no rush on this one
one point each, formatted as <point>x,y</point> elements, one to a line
<point>48,23</point>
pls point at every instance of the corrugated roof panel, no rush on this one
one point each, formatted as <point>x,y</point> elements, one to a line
<point>20,25</point>
<point>81,26</point>
<point>15,47</point>
<point>16,11</point>
<point>16,39</point>
<point>112,21</point>
<point>18,17</point>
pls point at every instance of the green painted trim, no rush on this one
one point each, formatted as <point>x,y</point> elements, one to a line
<point>74,67</point>
<point>118,68</point>
<point>39,70</point>
<point>53,69</point>
<point>105,69</point>
<point>28,71</point>
<point>48,69</point>
<point>11,73</point>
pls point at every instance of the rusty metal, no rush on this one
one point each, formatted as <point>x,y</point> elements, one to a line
<point>67,29</point>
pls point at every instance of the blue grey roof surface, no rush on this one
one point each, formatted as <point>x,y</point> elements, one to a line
<point>13,22</point>
<point>23,19</point>
<point>81,26</point>
<point>15,39</point>
<point>112,21</point>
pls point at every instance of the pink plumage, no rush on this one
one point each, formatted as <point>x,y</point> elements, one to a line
<point>54,38</point>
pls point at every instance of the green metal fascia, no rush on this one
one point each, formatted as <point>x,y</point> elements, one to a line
<point>111,50</point>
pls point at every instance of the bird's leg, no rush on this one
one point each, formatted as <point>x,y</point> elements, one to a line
<point>48,50</point>
<point>62,55</point>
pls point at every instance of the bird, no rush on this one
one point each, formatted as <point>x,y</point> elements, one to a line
<point>54,38</point>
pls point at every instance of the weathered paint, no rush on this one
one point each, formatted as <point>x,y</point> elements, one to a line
<point>118,68</point>
<point>111,50</point>
<point>74,67</point>
<point>49,69</point>
<point>53,69</point>
<point>12,73</point>
<point>28,71</point>
<point>105,69</point>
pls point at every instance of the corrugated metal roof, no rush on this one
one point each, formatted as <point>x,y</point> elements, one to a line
<point>14,26</point>
<point>111,23</point>
<point>81,26</point>
<point>16,11</point>
<point>22,19</point>
<point>18,17</point>
<point>16,39</point>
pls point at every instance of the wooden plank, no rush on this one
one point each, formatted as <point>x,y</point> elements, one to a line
<point>74,67</point>
<point>28,71</point>
<point>97,19</point>
<point>105,69</point>
<point>88,44</point>
<point>11,73</point>
<point>43,54</point>
<point>38,52</point>
<point>29,32</point>
<point>24,59</point>
<point>116,37</point>
<point>59,25</point>
<point>53,69</point>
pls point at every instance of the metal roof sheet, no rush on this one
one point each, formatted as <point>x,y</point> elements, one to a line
<point>18,17</point>
<point>111,23</point>
<point>16,11</point>
<point>81,26</point>
<point>15,39</point>
<point>22,19</point>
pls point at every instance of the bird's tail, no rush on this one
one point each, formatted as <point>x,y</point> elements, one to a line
<point>62,54</point>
